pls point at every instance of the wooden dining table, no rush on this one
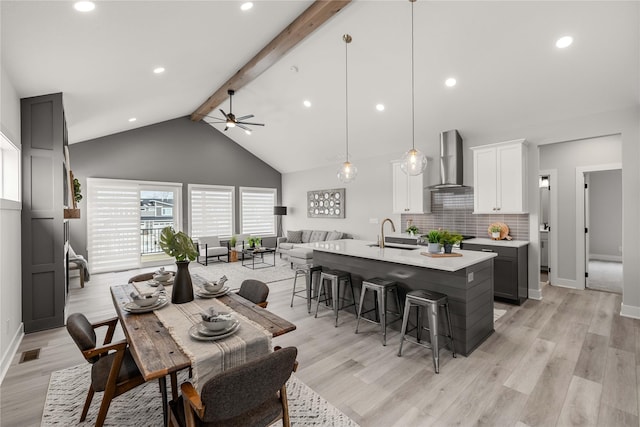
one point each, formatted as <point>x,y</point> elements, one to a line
<point>156,352</point>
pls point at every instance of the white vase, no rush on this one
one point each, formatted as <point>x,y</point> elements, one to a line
<point>495,235</point>
<point>433,248</point>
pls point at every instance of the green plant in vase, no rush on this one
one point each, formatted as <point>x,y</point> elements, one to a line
<point>433,237</point>
<point>180,246</point>
<point>254,241</point>
<point>448,239</point>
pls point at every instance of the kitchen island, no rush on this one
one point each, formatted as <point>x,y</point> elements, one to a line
<point>467,280</point>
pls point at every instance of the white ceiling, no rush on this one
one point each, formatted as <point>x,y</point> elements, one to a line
<point>509,72</point>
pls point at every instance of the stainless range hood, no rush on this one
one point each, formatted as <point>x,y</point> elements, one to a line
<point>450,160</point>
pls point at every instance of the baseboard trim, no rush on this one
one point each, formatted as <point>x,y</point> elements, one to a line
<point>11,351</point>
<point>565,283</point>
<point>535,294</point>
<point>601,257</point>
<point>630,311</point>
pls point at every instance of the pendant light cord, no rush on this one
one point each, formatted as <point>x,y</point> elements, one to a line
<point>413,114</point>
<point>347,40</point>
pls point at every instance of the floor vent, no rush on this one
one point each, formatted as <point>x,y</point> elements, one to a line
<point>29,355</point>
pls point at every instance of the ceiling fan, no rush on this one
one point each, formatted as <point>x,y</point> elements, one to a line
<point>230,120</point>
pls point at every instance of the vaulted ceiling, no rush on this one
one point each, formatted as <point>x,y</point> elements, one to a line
<point>502,54</point>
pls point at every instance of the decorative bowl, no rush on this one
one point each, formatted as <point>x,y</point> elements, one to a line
<point>212,286</point>
<point>218,323</point>
<point>163,276</point>
<point>146,300</point>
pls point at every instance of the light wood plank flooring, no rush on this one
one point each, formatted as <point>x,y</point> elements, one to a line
<point>567,360</point>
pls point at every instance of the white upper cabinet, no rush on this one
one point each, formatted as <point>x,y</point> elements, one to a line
<point>409,193</point>
<point>499,178</point>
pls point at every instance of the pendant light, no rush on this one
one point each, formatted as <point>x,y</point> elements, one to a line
<point>414,162</point>
<point>348,170</point>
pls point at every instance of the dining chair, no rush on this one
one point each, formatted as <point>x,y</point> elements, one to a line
<point>113,369</point>
<point>255,291</point>
<point>252,394</point>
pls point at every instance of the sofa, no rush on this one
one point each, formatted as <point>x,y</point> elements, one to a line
<point>291,248</point>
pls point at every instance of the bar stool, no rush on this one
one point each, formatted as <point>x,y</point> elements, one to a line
<point>380,287</point>
<point>433,301</point>
<point>334,277</point>
<point>309,272</point>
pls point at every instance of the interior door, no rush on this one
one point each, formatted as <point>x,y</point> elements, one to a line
<point>587,250</point>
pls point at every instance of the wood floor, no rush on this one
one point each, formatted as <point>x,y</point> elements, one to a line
<point>567,360</point>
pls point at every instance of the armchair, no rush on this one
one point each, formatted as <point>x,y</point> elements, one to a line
<point>210,247</point>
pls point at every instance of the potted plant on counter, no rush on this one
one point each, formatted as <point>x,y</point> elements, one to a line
<point>448,239</point>
<point>495,230</point>
<point>181,247</point>
<point>433,237</point>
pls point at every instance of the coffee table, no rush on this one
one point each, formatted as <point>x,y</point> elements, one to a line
<point>259,253</point>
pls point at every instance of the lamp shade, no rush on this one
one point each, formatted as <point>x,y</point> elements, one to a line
<point>279,210</point>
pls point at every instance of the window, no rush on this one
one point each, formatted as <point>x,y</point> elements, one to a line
<point>256,211</point>
<point>124,220</point>
<point>9,170</point>
<point>211,210</point>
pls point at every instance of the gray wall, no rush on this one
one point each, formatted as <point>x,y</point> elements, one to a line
<point>565,158</point>
<point>605,209</point>
<point>10,238</point>
<point>177,150</point>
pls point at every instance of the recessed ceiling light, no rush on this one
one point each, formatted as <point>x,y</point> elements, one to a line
<point>380,107</point>
<point>564,42</point>
<point>246,6</point>
<point>450,82</point>
<point>132,119</point>
<point>306,103</point>
<point>84,6</point>
<point>158,70</point>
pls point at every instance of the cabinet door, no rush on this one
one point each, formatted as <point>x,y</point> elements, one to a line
<point>484,179</point>
<point>415,190</point>
<point>510,197</point>
<point>505,278</point>
<point>400,190</point>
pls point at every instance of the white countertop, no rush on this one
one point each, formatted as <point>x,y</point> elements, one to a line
<point>361,249</point>
<point>503,243</point>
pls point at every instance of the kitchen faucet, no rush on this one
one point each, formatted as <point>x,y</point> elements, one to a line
<point>393,227</point>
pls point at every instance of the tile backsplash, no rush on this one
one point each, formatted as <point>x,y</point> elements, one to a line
<point>452,209</point>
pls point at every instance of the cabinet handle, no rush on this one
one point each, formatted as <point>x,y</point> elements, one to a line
<point>486,250</point>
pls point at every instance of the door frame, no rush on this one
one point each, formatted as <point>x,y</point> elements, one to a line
<point>581,256</point>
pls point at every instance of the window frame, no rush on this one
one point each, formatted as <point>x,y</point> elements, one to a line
<point>274,192</point>
<point>211,187</point>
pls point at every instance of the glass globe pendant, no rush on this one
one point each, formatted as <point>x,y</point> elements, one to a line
<point>347,172</point>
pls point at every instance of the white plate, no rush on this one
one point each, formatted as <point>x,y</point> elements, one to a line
<point>204,294</point>
<point>193,331</point>
<point>154,282</point>
<point>202,330</point>
<point>132,307</point>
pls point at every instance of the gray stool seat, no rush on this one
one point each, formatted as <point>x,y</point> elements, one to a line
<point>380,287</point>
<point>309,271</point>
<point>334,277</point>
<point>433,302</point>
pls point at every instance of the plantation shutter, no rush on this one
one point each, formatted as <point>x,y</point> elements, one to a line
<point>211,211</point>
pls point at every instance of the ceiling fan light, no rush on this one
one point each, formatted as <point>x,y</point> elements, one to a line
<point>347,172</point>
<point>231,124</point>
<point>414,162</point>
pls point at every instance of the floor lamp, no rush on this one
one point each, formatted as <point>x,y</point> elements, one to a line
<point>279,211</point>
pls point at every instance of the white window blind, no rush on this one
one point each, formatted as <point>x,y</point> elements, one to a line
<point>113,225</point>
<point>256,206</point>
<point>211,210</point>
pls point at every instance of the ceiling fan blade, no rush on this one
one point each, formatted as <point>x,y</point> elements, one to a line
<point>216,118</point>
<point>225,128</point>
<point>252,124</point>
<point>244,117</point>
<point>223,113</point>
<point>241,126</point>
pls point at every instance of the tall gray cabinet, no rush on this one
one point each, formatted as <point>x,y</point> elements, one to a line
<point>45,194</point>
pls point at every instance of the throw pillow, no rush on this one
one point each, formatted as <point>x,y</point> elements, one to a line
<point>294,236</point>
<point>334,235</point>
<point>306,236</point>
<point>318,236</point>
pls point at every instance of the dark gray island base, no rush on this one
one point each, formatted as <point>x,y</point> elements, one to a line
<point>470,291</point>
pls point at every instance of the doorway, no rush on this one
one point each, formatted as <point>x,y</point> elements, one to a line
<point>544,226</point>
<point>603,230</point>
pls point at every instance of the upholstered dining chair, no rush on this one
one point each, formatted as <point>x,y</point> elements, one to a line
<point>253,394</point>
<point>255,291</point>
<point>114,371</point>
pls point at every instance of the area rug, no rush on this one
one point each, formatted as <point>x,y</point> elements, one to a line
<point>236,273</point>
<point>142,406</point>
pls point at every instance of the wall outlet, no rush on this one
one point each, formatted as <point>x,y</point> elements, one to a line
<point>373,220</point>
<point>470,277</point>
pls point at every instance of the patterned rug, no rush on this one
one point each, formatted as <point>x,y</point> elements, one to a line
<point>236,272</point>
<point>142,407</point>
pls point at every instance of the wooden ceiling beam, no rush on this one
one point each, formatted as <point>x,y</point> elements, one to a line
<point>312,18</point>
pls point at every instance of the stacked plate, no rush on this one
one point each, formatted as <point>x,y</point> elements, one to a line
<point>201,333</point>
<point>154,282</point>
<point>202,293</point>
<point>132,307</point>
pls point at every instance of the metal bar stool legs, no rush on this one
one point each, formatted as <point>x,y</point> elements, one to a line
<point>309,272</point>
<point>432,301</point>
<point>334,277</point>
<point>381,287</point>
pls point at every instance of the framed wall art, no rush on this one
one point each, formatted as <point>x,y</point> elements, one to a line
<point>326,203</point>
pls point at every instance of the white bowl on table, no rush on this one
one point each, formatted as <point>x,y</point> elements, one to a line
<point>146,300</point>
<point>162,277</point>
<point>212,286</point>
<point>218,323</point>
